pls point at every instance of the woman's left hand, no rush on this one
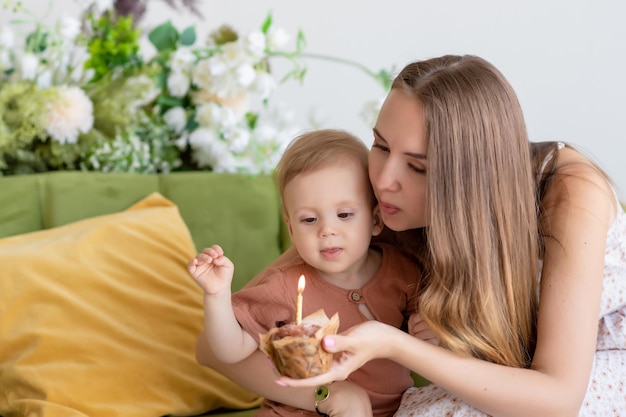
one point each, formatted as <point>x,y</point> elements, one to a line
<point>419,328</point>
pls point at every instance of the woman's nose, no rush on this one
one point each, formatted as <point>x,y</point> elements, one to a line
<point>386,177</point>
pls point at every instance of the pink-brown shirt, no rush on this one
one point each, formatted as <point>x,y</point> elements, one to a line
<point>390,296</point>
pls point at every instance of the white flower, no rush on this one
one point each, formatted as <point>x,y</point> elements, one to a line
<point>234,52</point>
<point>264,85</point>
<point>176,119</point>
<point>238,139</point>
<point>44,80</point>
<point>7,38</point>
<point>28,66</point>
<point>182,141</point>
<point>245,75</point>
<point>98,6</point>
<point>216,65</point>
<point>182,59</point>
<point>76,63</point>
<point>277,39</point>
<point>149,91</point>
<point>212,115</point>
<point>210,151</point>
<point>69,27</point>
<point>5,59</point>
<point>202,138</point>
<point>178,84</point>
<point>69,115</point>
<point>255,43</point>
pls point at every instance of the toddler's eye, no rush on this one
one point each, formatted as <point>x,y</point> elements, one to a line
<point>308,220</point>
<point>345,215</point>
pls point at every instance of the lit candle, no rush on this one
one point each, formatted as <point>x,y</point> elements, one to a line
<point>299,299</point>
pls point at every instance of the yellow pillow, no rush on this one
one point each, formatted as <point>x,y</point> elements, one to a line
<point>100,317</point>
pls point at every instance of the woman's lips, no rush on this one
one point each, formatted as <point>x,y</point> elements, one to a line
<point>388,208</point>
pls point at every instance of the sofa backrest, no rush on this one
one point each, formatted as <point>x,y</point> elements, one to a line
<point>239,212</point>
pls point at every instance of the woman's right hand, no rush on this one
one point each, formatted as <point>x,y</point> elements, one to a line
<point>354,347</point>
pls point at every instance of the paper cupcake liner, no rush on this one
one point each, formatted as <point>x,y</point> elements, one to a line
<point>301,356</point>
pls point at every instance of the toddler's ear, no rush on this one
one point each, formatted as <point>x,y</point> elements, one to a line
<point>288,223</point>
<point>378,221</point>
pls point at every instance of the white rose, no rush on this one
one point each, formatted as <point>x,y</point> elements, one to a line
<point>245,75</point>
<point>255,43</point>
<point>177,84</point>
<point>238,139</point>
<point>212,115</point>
<point>264,85</point>
<point>182,58</point>
<point>277,39</point>
<point>201,74</point>
<point>29,65</point>
<point>69,27</point>
<point>176,119</point>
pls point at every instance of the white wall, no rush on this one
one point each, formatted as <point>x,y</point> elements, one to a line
<point>565,58</point>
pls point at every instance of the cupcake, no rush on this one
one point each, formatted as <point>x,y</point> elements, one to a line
<point>296,349</point>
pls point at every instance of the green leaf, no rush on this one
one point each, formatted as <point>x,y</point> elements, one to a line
<point>267,24</point>
<point>300,41</point>
<point>169,101</point>
<point>164,37</point>
<point>188,37</point>
<point>37,42</point>
<point>252,119</point>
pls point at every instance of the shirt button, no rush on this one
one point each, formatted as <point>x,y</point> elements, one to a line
<point>355,296</point>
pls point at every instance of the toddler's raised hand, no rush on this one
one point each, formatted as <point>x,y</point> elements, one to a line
<point>212,270</point>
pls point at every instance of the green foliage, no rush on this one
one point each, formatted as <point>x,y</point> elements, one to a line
<point>164,37</point>
<point>114,45</point>
<point>223,35</point>
<point>145,147</point>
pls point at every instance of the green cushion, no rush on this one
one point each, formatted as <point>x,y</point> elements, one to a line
<point>239,212</point>
<point>69,196</point>
<point>20,210</point>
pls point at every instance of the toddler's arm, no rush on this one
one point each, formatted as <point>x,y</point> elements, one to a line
<point>213,272</point>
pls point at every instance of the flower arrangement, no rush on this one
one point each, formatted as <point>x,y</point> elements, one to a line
<point>80,96</point>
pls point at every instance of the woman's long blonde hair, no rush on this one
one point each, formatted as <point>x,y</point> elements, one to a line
<point>479,290</point>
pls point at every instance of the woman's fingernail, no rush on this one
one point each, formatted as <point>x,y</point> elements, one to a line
<point>281,383</point>
<point>329,341</point>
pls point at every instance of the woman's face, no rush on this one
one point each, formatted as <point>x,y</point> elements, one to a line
<point>397,162</point>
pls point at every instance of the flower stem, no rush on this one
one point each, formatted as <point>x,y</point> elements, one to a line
<point>341,61</point>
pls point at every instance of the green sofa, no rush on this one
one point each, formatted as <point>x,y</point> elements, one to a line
<point>242,213</point>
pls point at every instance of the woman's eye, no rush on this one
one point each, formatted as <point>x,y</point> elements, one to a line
<point>380,147</point>
<point>417,169</point>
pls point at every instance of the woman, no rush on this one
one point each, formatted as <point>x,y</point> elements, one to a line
<point>523,248</point>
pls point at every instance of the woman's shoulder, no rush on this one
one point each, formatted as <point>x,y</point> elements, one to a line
<point>579,184</point>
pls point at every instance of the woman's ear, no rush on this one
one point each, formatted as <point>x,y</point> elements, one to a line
<point>378,221</point>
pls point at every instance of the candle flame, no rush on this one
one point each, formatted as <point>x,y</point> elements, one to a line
<point>301,283</point>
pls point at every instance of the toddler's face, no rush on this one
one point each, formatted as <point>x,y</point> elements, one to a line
<point>330,216</point>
